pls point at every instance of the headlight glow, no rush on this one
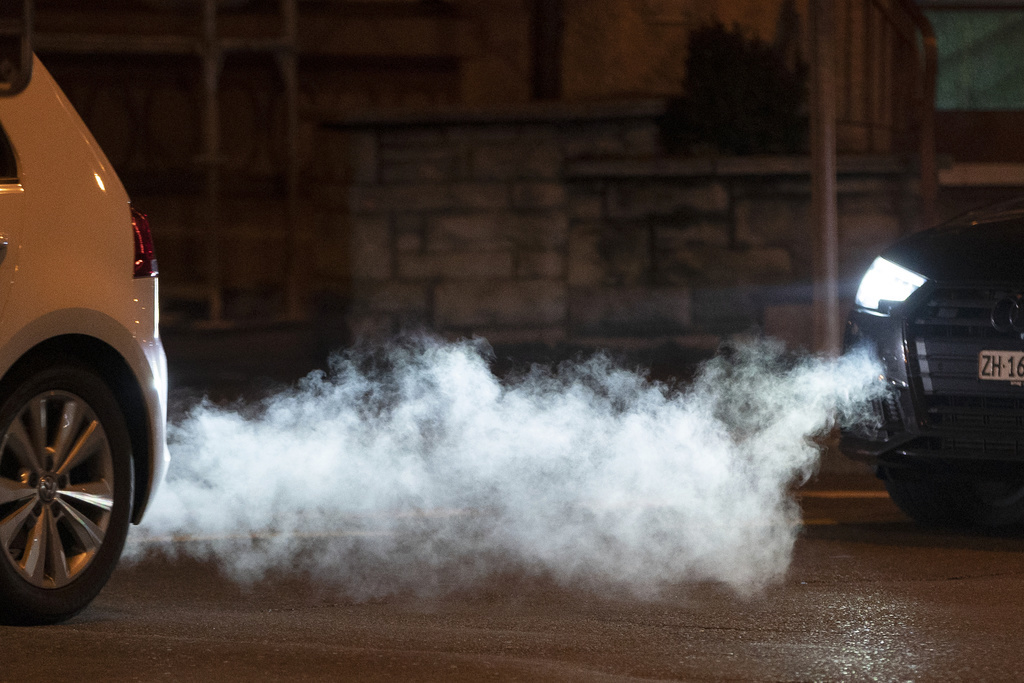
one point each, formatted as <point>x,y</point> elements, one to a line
<point>886,281</point>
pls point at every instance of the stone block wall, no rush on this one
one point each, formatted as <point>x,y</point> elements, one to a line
<point>704,248</point>
<point>565,226</point>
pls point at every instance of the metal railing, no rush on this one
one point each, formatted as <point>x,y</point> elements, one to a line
<point>873,91</point>
<point>210,47</point>
<point>886,67</point>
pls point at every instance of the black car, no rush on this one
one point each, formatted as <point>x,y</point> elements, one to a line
<point>944,310</point>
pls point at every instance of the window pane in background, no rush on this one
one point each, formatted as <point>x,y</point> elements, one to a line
<point>981,59</point>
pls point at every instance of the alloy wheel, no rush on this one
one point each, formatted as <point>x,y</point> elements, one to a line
<point>56,488</point>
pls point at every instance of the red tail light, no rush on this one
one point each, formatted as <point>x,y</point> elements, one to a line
<point>145,256</point>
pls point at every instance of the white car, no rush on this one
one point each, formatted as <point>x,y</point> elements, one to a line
<point>83,380</point>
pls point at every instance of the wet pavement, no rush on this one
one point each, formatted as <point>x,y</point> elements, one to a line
<point>869,596</point>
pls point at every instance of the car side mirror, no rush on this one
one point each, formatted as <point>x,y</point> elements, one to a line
<point>15,46</point>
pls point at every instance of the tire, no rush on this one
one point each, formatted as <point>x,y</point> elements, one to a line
<point>65,492</point>
<point>957,499</point>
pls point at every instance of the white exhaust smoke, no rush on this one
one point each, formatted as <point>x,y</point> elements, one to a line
<point>414,469</point>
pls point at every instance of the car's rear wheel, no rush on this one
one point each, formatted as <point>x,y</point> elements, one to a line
<point>65,492</point>
<point>957,498</point>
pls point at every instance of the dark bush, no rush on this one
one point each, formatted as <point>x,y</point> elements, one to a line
<point>739,97</point>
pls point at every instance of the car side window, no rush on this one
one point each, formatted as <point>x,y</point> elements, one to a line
<point>8,167</point>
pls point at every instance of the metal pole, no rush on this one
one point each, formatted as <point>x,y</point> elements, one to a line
<point>547,29</point>
<point>288,64</point>
<point>827,321</point>
<point>212,62</point>
<point>929,166</point>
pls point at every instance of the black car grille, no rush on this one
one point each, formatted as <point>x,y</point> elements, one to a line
<point>958,313</point>
<point>886,420</point>
<point>992,427</point>
<point>961,414</point>
<point>889,410</point>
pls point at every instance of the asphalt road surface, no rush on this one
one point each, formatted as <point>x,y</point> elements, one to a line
<point>869,596</point>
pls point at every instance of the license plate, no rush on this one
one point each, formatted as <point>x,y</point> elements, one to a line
<point>1001,365</point>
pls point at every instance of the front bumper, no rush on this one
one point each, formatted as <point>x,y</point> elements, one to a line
<point>936,407</point>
